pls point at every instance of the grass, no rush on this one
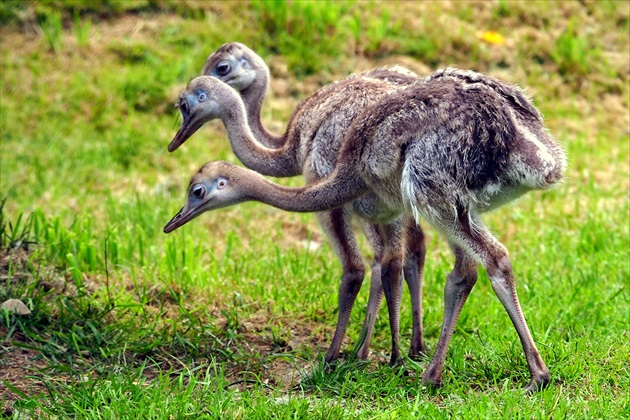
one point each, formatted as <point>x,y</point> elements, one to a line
<point>229,317</point>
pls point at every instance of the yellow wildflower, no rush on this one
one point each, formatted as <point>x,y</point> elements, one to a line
<point>492,37</point>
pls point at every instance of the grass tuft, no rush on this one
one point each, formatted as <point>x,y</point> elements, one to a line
<point>51,26</point>
<point>302,32</point>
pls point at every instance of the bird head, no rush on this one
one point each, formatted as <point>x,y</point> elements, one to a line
<point>215,186</point>
<point>236,65</point>
<point>205,99</point>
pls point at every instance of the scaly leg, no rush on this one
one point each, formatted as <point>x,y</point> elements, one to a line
<point>391,277</point>
<point>337,225</point>
<point>475,239</point>
<point>413,270</point>
<point>376,289</point>
<point>495,258</point>
<point>459,283</point>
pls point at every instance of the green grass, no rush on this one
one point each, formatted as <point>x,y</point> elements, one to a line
<point>229,316</point>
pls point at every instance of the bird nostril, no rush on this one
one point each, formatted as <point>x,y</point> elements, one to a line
<point>183,106</point>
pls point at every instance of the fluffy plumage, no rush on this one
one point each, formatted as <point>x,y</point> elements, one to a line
<point>310,146</point>
<point>447,148</point>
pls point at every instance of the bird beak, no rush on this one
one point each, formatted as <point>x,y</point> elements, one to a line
<point>175,222</point>
<point>185,215</point>
<point>189,126</point>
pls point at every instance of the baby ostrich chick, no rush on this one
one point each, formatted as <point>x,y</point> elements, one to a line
<point>310,146</point>
<point>446,149</point>
<point>312,139</point>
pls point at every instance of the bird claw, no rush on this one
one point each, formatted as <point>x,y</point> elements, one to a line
<point>537,384</point>
<point>417,354</point>
<point>432,383</point>
<point>330,365</point>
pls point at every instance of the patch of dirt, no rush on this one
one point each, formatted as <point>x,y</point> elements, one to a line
<point>18,257</point>
<point>18,366</point>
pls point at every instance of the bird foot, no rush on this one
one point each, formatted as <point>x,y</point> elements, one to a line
<point>395,359</point>
<point>329,368</point>
<point>363,353</point>
<point>432,380</point>
<point>330,365</point>
<point>538,383</point>
<point>432,384</point>
<point>417,354</point>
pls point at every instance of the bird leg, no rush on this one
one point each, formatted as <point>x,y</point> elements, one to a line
<point>374,302</point>
<point>495,258</point>
<point>376,290</point>
<point>459,283</point>
<point>391,277</point>
<point>348,290</point>
<point>337,225</point>
<point>477,242</point>
<point>501,275</point>
<point>413,269</point>
<point>392,286</point>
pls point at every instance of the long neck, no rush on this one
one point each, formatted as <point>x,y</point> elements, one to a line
<point>342,186</point>
<point>281,162</point>
<point>253,98</point>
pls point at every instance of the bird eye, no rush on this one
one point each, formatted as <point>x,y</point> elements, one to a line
<point>223,68</point>
<point>245,63</point>
<point>202,97</point>
<point>222,183</point>
<point>198,191</point>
